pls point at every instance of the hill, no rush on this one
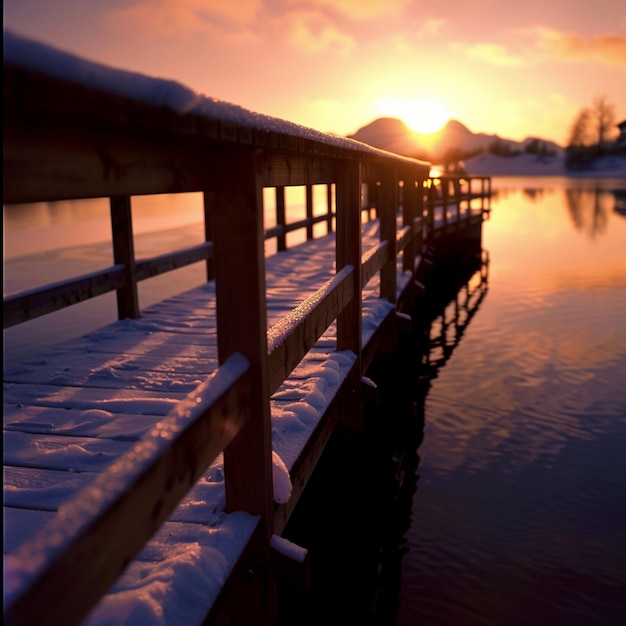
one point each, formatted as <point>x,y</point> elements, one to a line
<point>454,142</point>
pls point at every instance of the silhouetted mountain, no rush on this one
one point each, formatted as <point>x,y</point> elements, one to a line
<point>389,133</point>
<point>453,142</point>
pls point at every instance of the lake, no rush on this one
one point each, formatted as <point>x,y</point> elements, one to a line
<point>498,498</point>
<point>488,486</point>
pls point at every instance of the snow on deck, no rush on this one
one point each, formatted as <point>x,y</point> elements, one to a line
<point>81,405</point>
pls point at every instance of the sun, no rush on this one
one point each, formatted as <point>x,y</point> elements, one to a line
<point>428,116</point>
<point>422,115</point>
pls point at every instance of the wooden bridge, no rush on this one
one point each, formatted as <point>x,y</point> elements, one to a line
<point>190,428</point>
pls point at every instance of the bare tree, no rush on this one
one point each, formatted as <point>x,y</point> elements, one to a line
<point>580,132</point>
<point>603,114</point>
<point>590,134</point>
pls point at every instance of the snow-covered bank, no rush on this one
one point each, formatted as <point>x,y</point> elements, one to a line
<point>532,165</point>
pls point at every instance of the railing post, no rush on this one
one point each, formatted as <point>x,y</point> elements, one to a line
<point>281,240</point>
<point>445,192</point>
<point>430,211</point>
<point>242,327</point>
<point>409,215</point>
<point>309,212</point>
<point>124,254</point>
<point>209,204</point>
<point>329,208</point>
<point>387,204</point>
<point>419,190</point>
<point>349,332</point>
<point>349,252</point>
<point>483,193</point>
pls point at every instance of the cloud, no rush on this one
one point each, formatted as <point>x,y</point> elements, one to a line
<point>431,26</point>
<point>314,32</point>
<point>607,49</point>
<point>160,17</point>
<point>355,9</point>
<point>492,53</point>
<point>311,25</point>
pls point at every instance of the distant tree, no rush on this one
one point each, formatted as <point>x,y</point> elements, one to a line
<point>539,148</point>
<point>603,115</point>
<point>578,153</point>
<point>580,132</point>
<point>453,158</point>
<point>590,133</point>
<point>502,148</point>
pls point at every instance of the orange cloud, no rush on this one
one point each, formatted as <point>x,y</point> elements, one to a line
<point>492,53</point>
<point>314,32</point>
<point>356,9</point>
<point>431,26</point>
<point>174,16</point>
<point>607,49</point>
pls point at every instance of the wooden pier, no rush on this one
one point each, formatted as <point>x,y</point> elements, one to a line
<point>191,427</point>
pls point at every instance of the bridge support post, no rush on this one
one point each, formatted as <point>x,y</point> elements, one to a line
<point>409,216</point>
<point>387,211</point>
<point>281,240</point>
<point>124,254</point>
<point>349,332</point>
<point>209,203</point>
<point>242,324</point>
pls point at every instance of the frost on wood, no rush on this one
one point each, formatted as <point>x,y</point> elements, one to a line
<point>288,548</point>
<point>38,57</point>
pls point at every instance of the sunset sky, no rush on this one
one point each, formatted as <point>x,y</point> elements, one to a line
<point>335,65</point>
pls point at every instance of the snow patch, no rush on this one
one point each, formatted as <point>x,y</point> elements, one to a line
<point>288,548</point>
<point>56,63</point>
<point>282,480</point>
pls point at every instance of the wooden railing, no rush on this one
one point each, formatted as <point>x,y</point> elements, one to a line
<point>63,140</point>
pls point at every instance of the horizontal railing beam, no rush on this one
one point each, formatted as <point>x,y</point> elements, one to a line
<point>277,231</point>
<point>58,577</point>
<point>373,260</point>
<point>30,304</point>
<point>148,268</point>
<point>33,303</point>
<point>294,335</point>
<point>403,237</point>
<point>283,169</point>
<point>125,147</point>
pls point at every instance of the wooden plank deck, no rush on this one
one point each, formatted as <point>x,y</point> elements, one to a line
<point>74,410</point>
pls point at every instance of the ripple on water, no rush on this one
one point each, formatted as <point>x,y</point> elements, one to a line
<point>519,513</point>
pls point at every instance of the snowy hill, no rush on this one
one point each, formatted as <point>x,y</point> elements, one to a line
<point>531,165</point>
<point>394,135</point>
<point>389,133</point>
<point>531,157</point>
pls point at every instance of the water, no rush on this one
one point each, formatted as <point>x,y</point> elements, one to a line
<point>47,242</point>
<point>488,486</point>
<point>52,241</point>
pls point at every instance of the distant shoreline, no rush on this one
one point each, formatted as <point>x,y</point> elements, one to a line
<point>531,165</point>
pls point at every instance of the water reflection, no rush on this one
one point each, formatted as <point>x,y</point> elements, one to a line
<point>590,209</point>
<point>620,202</point>
<point>534,194</point>
<point>453,302</point>
<point>355,514</point>
<point>522,470</point>
<point>589,202</point>
<point>489,488</point>
<point>40,227</point>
